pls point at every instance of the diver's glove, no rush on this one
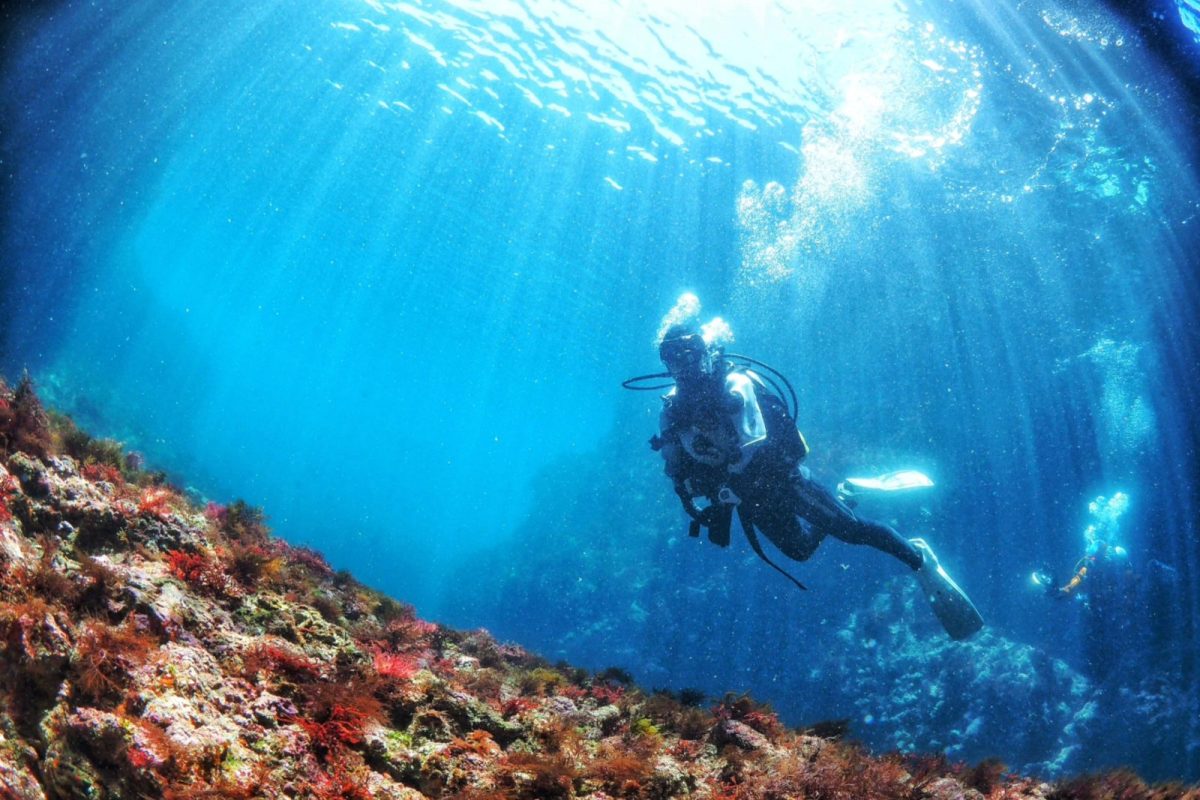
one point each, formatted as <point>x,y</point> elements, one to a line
<point>709,516</point>
<point>717,517</point>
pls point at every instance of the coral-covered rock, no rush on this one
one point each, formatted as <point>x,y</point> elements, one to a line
<point>36,646</point>
<point>391,752</point>
<point>739,734</point>
<point>18,780</point>
<point>67,772</point>
<point>31,473</point>
<point>13,549</point>
<point>949,789</point>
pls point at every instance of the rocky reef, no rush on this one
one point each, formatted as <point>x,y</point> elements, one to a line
<point>153,646</point>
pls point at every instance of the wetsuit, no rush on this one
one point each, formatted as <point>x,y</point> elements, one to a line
<point>713,434</point>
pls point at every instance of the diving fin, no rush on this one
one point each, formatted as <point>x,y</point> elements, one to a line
<point>899,481</point>
<point>950,604</point>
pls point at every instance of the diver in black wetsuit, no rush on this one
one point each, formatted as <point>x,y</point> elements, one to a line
<point>728,439</point>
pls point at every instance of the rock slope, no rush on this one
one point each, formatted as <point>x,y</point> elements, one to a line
<point>152,647</point>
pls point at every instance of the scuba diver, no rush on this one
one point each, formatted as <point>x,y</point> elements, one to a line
<point>729,440</point>
<point>1101,554</point>
<point>1118,604</point>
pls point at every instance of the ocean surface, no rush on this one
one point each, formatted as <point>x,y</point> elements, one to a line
<point>381,268</point>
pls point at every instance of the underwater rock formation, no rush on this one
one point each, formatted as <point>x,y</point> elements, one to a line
<point>915,686</point>
<point>154,648</point>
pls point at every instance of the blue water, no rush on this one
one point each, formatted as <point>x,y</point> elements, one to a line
<point>381,267</point>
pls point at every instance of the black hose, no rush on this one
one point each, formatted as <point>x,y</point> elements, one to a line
<point>793,408</point>
<point>629,384</point>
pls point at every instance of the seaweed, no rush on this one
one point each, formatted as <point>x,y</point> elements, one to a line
<point>395,666</point>
<point>534,775</point>
<point>241,522</point>
<point>253,564</point>
<point>1121,784</point>
<point>156,501</point>
<point>985,776</point>
<point>615,675</point>
<point>24,424</point>
<point>742,708</point>
<point>202,571</point>
<point>620,772</point>
<point>104,657</point>
<point>279,660</point>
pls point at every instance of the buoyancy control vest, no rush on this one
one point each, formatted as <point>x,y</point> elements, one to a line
<point>779,454</point>
<point>784,440</point>
<point>773,461</point>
